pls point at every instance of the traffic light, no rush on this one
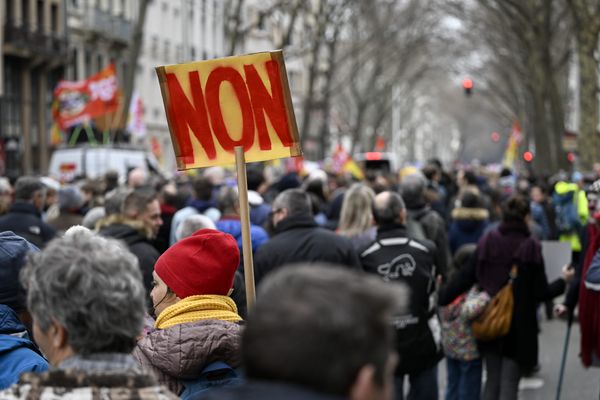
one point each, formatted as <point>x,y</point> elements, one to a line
<point>468,86</point>
<point>528,156</point>
<point>495,137</point>
<point>571,157</point>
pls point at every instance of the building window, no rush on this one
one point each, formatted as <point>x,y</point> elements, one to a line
<point>165,7</point>
<point>154,47</point>
<point>40,16</point>
<point>166,51</point>
<point>54,18</point>
<point>179,53</point>
<point>175,12</point>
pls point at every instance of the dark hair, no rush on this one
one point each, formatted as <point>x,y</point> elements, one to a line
<point>317,326</point>
<point>515,209</point>
<point>388,212</point>
<point>26,187</point>
<point>470,199</point>
<point>296,201</point>
<point>203,188</point>
<point>137,201</point>
<point>255,178</point>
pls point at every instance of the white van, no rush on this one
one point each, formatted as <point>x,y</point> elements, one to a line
<point>94,161</point>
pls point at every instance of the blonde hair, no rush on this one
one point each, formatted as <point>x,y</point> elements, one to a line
<point>357,210</point>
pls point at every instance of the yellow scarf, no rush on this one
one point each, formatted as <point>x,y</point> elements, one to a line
<point>198,308</point>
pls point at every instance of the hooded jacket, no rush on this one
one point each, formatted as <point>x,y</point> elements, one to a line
<point>233,226</point>
<point>18,354</point>
<point>134,236</point>
<point>13,250</point>
<point>182,351</point>
<point>25,220</point>
<point>468,225</point>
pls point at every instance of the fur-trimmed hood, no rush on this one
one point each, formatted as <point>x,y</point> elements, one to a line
<point>463,213</point>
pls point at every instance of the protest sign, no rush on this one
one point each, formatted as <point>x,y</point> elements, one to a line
<point>215,105</point>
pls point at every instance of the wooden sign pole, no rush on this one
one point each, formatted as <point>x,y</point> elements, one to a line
<point>240,165</point>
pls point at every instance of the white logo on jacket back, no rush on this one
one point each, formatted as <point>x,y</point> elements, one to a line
<point>404,265</point>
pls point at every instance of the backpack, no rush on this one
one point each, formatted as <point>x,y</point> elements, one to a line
<point>567,218</point>
<point>496,319</point>
<point>214,376</point>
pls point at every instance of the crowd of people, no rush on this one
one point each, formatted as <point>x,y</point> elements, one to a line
<point>135,289</point>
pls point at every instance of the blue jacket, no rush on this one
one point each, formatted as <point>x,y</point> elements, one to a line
<point>18,354</point>
<point>234,228</point>
<point>13,250</point>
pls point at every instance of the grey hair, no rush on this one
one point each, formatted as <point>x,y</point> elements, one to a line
<point>338,320</point>
<point>90,285</point>
<point>228,200</point>
<point>412,188</point>
<point>356,215</point>
<point>114,201</point>
<point>192,224</point>
<point>296,201</point>
<point>27,186</point>
<point>388,211</point>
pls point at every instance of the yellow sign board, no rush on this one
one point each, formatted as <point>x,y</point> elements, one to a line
<point>216,105</point>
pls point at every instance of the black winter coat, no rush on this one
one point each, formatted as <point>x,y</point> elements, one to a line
<point>298,239</point>
<point>435,230</point>
<point>139,245</point>
<point>26,221</point>
<point>396,258</point>
<point>499,249</point>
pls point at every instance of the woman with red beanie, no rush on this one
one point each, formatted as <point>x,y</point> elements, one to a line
<point>196,320</point>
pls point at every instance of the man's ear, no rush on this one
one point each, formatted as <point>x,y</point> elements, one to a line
<point>362,388</point>
<point>403,216</point>
<point>60,336</point>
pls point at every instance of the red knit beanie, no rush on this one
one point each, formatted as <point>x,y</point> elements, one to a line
<point>204,263</point>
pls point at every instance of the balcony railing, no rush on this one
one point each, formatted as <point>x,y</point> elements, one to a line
<point>107,25</point>
<point>36,42</point>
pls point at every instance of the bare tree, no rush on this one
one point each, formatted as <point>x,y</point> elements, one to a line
<point>586,15</point>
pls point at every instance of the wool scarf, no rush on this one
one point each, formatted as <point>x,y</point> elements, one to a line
<point>198,308</point>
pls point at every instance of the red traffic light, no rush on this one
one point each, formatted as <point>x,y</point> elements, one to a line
<point>495,137</point>
<point>467,84</point>
<point>528,156</point>
<point>571,157</point>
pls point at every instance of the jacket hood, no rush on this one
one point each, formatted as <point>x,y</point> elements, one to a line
<point>9,344</point>
<point>183,350</point>
<point>13,251</point>
<point>9,321</point>
<point>464,213</point>
<point>231,226</point>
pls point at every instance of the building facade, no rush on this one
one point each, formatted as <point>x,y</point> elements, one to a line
<point>176,31</point>
<point>35,53</point>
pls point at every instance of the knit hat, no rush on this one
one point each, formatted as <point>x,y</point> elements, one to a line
<point>201,264</point>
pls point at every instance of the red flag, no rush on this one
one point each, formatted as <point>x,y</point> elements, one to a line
<point>380,144</point>
<point>78,102</point>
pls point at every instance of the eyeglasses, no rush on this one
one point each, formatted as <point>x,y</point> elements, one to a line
<point>276,211</point>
